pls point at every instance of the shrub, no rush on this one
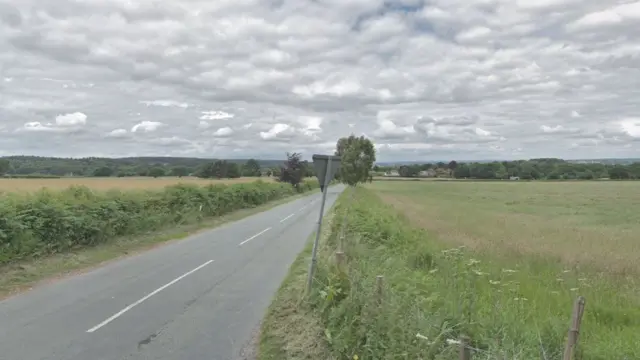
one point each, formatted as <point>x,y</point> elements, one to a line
<point>49,222</point>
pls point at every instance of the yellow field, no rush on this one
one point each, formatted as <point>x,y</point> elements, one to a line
<point>128,183</point>
<point>578,223</point>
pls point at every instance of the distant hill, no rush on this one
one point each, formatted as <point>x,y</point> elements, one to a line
<point>24,165</point>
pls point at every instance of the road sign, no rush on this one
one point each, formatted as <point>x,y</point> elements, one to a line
<point>326,167</point>
<point>325,173</point>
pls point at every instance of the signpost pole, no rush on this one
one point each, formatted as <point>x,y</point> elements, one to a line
<point>312,266</point>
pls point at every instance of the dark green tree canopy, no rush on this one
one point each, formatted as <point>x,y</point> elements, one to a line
<point>251,168</point>
<point>293,170</point>
<point>5,165</point>
<point>358,154</point>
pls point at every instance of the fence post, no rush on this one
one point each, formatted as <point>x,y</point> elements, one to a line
<point>379,283</point>
<point>574,329</point>
<point>465,351</point>
<point>340,259</point>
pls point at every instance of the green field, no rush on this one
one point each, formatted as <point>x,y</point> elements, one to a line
<point>499,262</point>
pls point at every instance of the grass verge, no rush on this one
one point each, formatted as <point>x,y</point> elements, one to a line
<point>23,275</point>
<point>291,330</point>
<point>511,305</point>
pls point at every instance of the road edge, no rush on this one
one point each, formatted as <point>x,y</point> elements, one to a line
<point>23,276</point>
<point>290,329</point>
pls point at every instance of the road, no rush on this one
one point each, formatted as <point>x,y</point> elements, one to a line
<point>194,299</point>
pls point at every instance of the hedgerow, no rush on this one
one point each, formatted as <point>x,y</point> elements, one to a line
<point>49,222</point>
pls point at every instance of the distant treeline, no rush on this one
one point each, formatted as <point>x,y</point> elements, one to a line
<point>49,167</point>
<point>544,168</point>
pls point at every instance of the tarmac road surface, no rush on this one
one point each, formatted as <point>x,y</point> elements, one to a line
<point>193,299</point>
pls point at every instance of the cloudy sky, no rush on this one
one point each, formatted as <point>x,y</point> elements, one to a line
<point>425,79</point>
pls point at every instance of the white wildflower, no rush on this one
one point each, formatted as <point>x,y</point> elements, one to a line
<point>494,282</point>
<point>420,336</point>
<point>509,271</point>
<point>473,262</point>
<point>574,289</point>
<point>521,299</point>
<point>479,273</point>
<point>453,342</point>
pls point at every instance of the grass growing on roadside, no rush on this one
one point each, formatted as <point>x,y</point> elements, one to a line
<point>291,330</point>
<point>21,275</point>
<point>48,222</point>
<point>510,306</point>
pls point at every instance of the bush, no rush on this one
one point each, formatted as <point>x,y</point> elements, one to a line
<point>49,222</point>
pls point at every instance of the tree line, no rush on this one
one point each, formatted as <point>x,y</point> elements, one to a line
<point>44,167</point>
<point>533,169</point>
<point>358,156</point>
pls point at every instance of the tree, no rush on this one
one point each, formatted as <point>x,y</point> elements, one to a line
<point>452,167</point>
<point>157,172</point>
<point>404,171</point>
<point>103,172</point>
<point>293,170</point>
<point>5,165</point>
<point>357,158</point>
<point>233,170</point>
<point>619,172</point>
<point>219,169</point>
<point>461,172</point>
<point>205,171</point>
<point>309,171</point>
<point>251,168</point>
<point>179,171</point>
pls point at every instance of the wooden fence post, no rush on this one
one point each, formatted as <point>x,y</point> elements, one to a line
<point>574,329</point>
<point>340,259</point>
<point>379,283</point>
<point>465,351</point>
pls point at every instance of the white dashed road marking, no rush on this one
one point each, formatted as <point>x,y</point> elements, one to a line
<point>119,313</point>
<point>255,236</point>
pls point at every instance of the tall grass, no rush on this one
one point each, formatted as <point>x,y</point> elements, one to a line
<point>516,308</point>
<point>49,222</point>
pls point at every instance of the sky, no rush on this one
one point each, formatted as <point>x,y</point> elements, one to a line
<point>424,79</point>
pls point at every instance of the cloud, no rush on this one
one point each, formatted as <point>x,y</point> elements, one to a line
<point>436,80</point>
<point>223,132</point>
<point>278,131</point>
<point>631,127</point>
<point>118,133</point>
<point>166,103</point>
<point>146,126</point>
<point>37,126</point>
<point>76,118</point>
<point>215,115</point>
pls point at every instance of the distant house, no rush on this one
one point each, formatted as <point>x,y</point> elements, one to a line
<point>392,173</point>
<point>514,178</point>
<point>427,173</point>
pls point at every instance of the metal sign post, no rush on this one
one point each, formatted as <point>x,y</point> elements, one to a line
<point>326,167</point>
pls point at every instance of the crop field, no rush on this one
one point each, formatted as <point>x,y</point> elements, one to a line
<point>500,262</point>
<point>586,224</point>
<point>125,183</point>
<point>514,256</point>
